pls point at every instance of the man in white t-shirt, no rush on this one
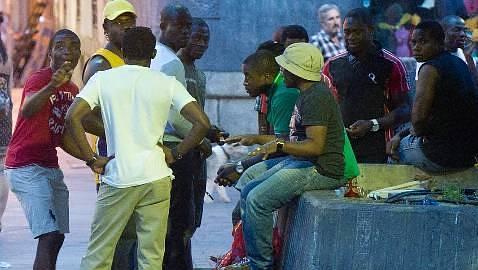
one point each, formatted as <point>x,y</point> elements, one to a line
<point>175,28</point>
<point>135,103</point>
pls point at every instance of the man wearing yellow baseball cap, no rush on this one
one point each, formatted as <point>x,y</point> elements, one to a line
<point>118,15</point>
<point>311,159</point>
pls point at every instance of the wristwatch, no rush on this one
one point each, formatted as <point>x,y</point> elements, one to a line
<point>176,154</point>
<point>375,125</point>
<point>239,168</point>
<point>280,146</point>
<point>91,161</point>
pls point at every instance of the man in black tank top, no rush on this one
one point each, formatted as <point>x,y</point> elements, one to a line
<point>444,126</point>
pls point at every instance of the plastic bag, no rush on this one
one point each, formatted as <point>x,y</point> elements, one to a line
<point>237,253</point>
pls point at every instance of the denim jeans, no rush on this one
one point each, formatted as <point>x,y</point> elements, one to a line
<point>411,153</point>
<point>266,187</point>
<point>44,198</point>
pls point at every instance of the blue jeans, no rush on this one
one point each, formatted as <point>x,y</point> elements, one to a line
<point>411,153</point>
<point>266,187</point>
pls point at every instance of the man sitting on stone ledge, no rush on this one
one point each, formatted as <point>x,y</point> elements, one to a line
<point>313,156</point>
<point>444,125</point>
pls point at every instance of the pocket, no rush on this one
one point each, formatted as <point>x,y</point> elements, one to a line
<point>162,188</point>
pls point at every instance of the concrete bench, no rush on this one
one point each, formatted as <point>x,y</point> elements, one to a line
<point>327,232</point>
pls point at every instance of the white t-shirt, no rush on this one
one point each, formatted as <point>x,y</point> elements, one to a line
<point>169,63</point>
<point>459,53</point>
<point>135,102</point>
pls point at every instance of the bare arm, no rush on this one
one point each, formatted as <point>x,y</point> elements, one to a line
<point>69,145</point>
<point>250,139</point>
<point>426,84</point>
<point>399,115</point>
<point>97,63</point>
<point>93,123</point>
<point>193,113</point>
<point>73,126</point>
<point>35,102</point>
<point>312,146</point>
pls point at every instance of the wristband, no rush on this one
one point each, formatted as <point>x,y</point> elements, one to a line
<point>176,154</point>
<point>239,168</point>
<point>91,161</point>
<point>280,146</point>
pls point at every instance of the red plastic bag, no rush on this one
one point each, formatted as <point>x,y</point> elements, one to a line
<point>238,248</point>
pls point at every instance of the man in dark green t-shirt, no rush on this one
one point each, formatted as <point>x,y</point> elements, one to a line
<point>313,157</point>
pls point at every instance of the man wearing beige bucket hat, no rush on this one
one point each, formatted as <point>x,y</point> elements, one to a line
<point>312,158</point>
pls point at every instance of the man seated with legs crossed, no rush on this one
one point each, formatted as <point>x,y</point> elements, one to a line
<point>313,156</point>
<point>135,103</point>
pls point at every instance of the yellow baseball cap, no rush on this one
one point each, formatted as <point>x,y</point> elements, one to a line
<point>303,60</point>
<point>114,8</point>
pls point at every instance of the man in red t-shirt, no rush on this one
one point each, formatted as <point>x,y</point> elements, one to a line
<point>31,162</point>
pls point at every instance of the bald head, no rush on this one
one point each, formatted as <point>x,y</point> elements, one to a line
<point>172,12</point>
<point>455,36</point>
<point>175,26</point>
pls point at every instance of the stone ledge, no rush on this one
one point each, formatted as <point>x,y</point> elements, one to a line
<point>325,232</point>
<point>378,176</point>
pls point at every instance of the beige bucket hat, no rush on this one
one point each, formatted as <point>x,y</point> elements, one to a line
<point>303,60</point>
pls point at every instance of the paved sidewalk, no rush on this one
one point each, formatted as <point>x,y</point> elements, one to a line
<point>18,248</point>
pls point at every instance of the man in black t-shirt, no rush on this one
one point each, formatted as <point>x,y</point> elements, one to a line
<point>444,126</point>
<point>313,158</point>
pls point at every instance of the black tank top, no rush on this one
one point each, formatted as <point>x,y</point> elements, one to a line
<point>452,136</point>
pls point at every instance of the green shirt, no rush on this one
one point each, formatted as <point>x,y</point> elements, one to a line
<point>280,106</point>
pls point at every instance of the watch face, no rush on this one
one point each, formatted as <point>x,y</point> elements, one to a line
<point>375,125</point>
<point>239,168</point>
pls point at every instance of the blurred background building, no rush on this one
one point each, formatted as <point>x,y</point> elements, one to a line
<point>237,27</point>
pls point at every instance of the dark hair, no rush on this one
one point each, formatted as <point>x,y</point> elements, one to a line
<point>274,47</point>
<point>362,15</point>
<point>198,23</point>
<point>294,31</point>
<point>171,11</point>
<point>62,32</point>
<point>262,61</point>
<point>138,43</point>
<point>434,30</point>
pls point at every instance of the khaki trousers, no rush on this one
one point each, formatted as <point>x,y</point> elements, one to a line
<point>148,204</point>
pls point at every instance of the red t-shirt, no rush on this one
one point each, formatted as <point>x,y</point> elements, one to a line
<point>35,139</point>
